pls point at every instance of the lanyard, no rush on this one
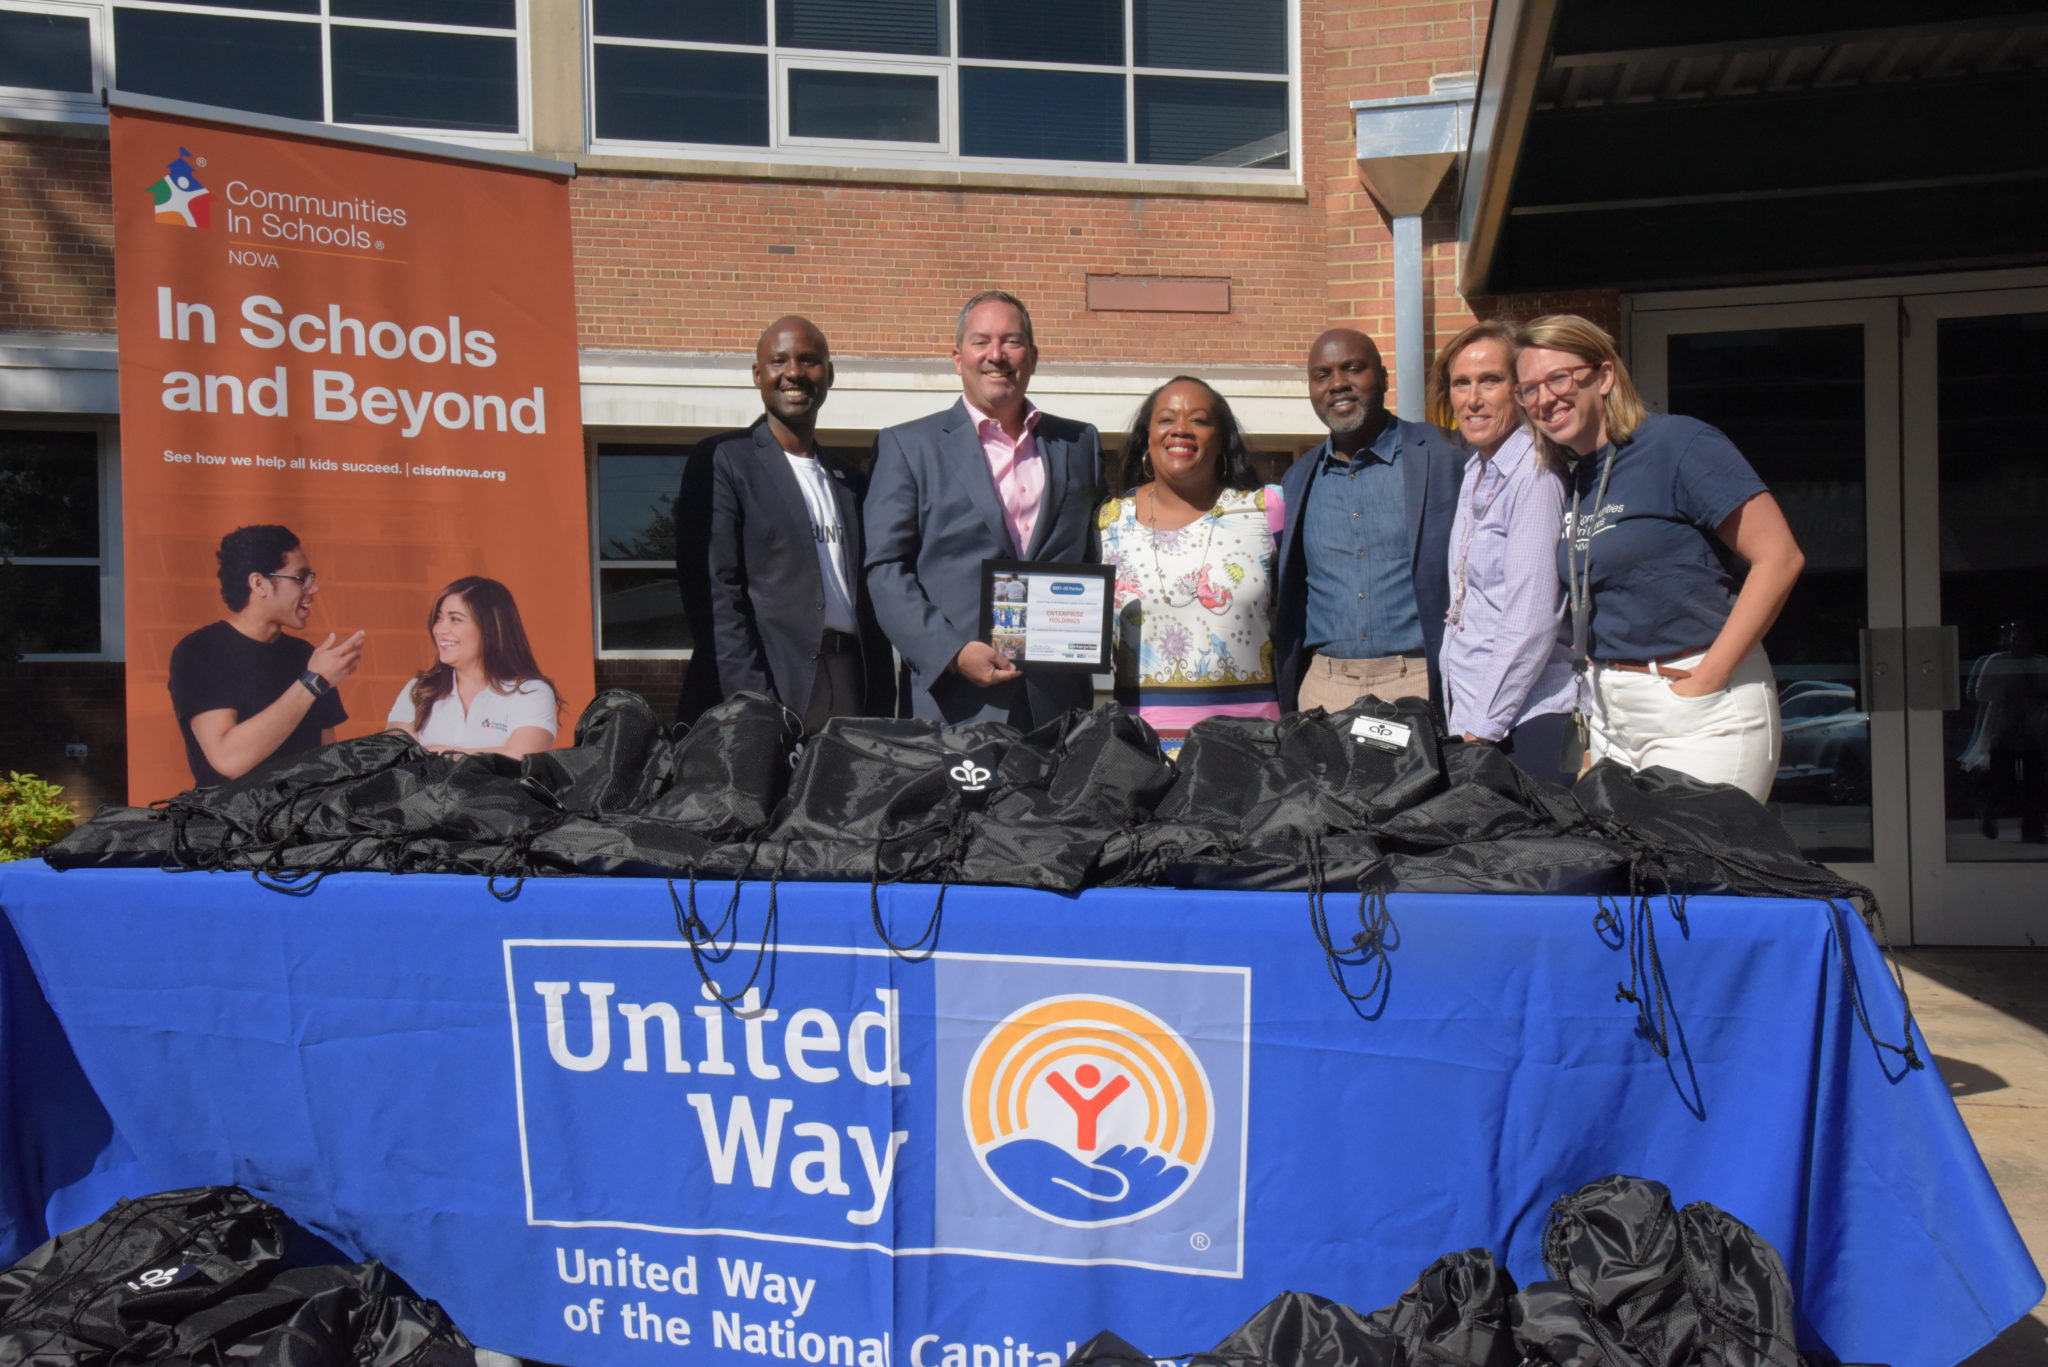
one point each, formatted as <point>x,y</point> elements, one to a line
<point>1579,571</point>
<point>1475,513</point>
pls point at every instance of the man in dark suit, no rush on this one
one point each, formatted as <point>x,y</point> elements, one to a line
<point>992,477</point>
<point>1364,559</point>
<point>769,553</point>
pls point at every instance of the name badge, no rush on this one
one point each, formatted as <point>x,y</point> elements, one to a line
<point>1381,734</point>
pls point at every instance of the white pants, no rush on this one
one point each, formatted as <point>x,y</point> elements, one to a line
<point>1732,736</point>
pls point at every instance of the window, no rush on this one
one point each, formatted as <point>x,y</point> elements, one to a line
<point>1106,86</point>
<point>448,67</point>
<point>49,62</point>
<point>59,588</point>
<point>639,611</point>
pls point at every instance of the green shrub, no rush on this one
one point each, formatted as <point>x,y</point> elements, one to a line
<point>33,814</point>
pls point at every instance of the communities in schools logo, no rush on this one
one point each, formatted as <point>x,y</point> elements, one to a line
<point>1088,1110</point>
<point>180,197</point>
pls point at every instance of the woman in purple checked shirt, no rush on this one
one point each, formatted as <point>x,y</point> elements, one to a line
<point>1506,657</point>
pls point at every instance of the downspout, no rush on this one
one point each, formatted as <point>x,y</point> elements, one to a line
<point>1404,147</point>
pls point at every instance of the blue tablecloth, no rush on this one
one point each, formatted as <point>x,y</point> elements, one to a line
<point>1142,1110</point>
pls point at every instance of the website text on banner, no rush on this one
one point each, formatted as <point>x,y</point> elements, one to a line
<point>372,348</point>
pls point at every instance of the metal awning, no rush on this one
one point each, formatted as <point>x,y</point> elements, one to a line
<point>1627,145</point>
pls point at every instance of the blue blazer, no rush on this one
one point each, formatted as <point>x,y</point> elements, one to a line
<point>933,515</point>
<point>747,564</point>
<point>1432,466</point>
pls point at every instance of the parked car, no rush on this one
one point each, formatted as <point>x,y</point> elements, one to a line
<point>1827,742</point>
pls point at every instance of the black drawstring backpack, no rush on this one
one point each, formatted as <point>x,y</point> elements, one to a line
<point>614,766</point>
<point>1495,829</point>
<point>881,800</point>
<point>717,787</point>
<point>1292,804</point>
<point>1073,797</point>
<point>1646,1284</point>
<point>254,822</point>
<point>211,1275</point>
<point>1637,1284</point>
<point>1457,1314</point>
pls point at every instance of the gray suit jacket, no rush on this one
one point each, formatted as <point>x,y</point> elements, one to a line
<point>933,515</point>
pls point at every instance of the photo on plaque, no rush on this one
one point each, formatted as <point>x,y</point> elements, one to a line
<point>1047,615</point>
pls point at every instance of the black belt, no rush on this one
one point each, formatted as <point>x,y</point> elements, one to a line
<point>839,643</point>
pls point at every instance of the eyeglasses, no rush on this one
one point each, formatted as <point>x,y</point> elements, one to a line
<point>1561,383</point>
<point>307,580</point>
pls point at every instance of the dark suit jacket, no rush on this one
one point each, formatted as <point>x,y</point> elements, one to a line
<point>1431,467</point>
<point>933,517</point>
<point>747,564</point>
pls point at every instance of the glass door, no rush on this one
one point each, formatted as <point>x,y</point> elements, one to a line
<point>1974,411</point>
<point>1808,393</point>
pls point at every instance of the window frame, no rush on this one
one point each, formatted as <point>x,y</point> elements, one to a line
<point>41,102</point>
<point>107,452</point>
<point>781,122</point>
<point>593,445</point>
<point>25,102</point>
<point>784,149</point>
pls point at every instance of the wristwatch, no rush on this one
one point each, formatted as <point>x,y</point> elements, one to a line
<point>316,684</point>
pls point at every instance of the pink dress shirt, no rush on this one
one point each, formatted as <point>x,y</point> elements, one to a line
<point>1018,470</point>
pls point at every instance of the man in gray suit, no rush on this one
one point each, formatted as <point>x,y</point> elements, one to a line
<point>992,477</point>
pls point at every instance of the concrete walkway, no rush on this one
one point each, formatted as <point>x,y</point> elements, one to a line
<point>1985,1015</point>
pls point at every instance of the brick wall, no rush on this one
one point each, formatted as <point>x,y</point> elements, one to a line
<point>667,264</point>
<point>658,681</point>
<point>46,707</point>
<point>57,226</point>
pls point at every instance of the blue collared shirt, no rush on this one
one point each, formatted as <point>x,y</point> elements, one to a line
<point>1359,548</point>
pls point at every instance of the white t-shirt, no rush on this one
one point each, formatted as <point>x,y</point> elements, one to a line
<point>490,721</point>
<point>830,536</point>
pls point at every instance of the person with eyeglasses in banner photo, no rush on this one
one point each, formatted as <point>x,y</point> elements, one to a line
<point>1506,656</point>
<point>1662,516</point>
<point>1191,539</point>
<point>484,694</point>
<point>244,688</point>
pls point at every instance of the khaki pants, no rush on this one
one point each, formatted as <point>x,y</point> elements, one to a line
<point>1334,685</point>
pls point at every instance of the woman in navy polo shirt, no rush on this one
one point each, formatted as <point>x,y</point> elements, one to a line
<point>1661,515</point>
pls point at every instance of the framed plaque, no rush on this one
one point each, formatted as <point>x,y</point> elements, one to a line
<point>1048,614</point>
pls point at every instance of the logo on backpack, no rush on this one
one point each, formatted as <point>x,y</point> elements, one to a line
<point>157,1278</point>
<point>972,777</point>
<point>1088,1110</point>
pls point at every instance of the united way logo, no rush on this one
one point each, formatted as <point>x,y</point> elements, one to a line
<point>1098,1111</point>
<point>1088,1110</point>
<point>179,196</point>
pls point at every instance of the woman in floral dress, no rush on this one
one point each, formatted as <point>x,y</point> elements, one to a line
<point>1192,543</point>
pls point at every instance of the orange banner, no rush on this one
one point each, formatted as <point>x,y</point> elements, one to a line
<point>372,348</point>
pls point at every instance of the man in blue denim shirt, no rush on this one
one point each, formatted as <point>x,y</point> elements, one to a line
<point>1364,569</point>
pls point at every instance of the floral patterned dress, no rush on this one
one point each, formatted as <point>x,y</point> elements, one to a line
<point>1194,608</point>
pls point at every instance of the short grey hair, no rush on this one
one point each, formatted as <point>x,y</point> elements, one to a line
<point>992,297</point>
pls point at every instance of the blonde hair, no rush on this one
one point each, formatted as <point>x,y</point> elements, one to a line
<point>1587,340</point>
<point>1441,410</point>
